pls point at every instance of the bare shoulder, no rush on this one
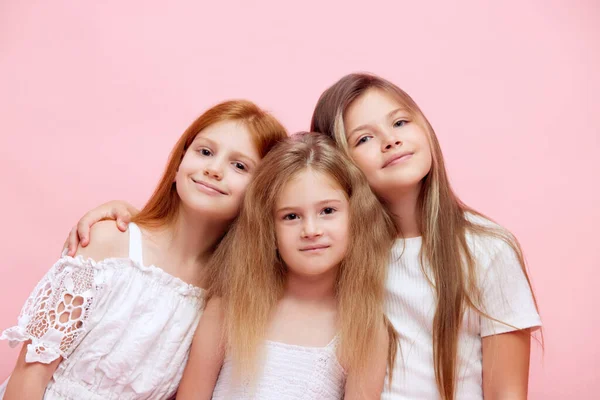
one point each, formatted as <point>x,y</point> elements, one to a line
<point>211,326</point>
<point>106,241</point>
<point>214,309</point>
<point>383,335</point>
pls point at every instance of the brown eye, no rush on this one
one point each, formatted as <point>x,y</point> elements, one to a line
<point>240,166</point>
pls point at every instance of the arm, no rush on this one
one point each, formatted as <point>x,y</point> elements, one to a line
<point>29,381</point>
<point>206,355</point>
<point>48,329</point>
<point>506,365</point>
<point>119,211</point>
<point>506,334</point>
<point>369,384</point>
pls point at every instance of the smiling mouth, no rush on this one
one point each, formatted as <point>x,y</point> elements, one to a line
<point>397,159</point>
<point>209,187</point>
<point>312,249</point>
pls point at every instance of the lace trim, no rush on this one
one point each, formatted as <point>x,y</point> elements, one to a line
<point>56,313</point>
<point>158,274</point>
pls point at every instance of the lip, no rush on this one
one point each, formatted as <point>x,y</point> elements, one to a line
<point>315,248</point>
<point>397,158</point>
<point>208,187</point>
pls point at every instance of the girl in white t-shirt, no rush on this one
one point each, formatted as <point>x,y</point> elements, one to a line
<point>458,292</point>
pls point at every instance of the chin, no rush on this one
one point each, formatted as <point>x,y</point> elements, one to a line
<point>319,270</point>
<point>212,210</point>
<point>401,180</point>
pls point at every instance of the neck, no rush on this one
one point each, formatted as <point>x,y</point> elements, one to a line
<point>404,210</point>
<point>191,239</point>
<point>315,289</point>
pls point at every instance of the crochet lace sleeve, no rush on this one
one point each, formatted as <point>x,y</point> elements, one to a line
<point>55,316</point>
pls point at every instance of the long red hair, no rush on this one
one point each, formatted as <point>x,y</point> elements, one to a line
<point>266,131</point>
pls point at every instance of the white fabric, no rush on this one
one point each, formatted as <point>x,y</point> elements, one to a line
<point>128,333</point>
<point>411,305</point>
<point>289,372</point>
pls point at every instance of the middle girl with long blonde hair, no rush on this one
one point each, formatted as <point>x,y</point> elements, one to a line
<point>298,307</point>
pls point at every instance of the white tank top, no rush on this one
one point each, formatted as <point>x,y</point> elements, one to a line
<point>289,372</point>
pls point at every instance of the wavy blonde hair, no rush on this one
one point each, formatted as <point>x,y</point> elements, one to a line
<point>442,220</point>
<point>249,276</point>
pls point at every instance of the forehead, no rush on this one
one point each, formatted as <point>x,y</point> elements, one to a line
<point>371,106</point>
<point>310,186</point>
<point>231,135</point>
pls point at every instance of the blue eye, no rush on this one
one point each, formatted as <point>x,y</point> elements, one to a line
<point>400,123</point>
<point>290,217</point>
<point>363,139</point>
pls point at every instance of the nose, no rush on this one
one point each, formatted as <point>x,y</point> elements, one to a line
<point>214,171</point>
<point>311,229</point>
<point>390,141</point>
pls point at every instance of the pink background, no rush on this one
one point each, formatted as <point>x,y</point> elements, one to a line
<point>93,96</point>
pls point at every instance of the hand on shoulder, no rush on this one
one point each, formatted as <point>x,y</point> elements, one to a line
<point>108,242</point>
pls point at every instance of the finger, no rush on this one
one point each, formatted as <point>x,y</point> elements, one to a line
<point>66,244</point>
<point>121,224</point>
<point>126,217</point>
<point>121,213</point>
<point>73,242</point>
<point>83,230</point>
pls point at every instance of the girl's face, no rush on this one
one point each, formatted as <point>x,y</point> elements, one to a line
<point>387,145</point>
<point>312,218</point>
<point>216,169</point>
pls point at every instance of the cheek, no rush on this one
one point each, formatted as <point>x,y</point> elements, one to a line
<point>238,184</point>
<point>180,174</point>
<point>428,161</point>
<point>284,237</point>
<point>426,158</point>
<point>341,232</point>
<point>366,160</point>
<point>188,165</point>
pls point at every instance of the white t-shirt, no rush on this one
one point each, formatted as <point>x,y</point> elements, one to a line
<point>411,304</point>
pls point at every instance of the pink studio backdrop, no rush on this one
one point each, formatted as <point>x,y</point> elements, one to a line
<point>94,95</point>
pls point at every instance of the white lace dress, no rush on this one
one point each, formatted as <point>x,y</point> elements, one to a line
<point>128,331</point>
<point>289,373</point>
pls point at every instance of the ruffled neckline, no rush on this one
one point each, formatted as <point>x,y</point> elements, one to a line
<point>159,274</point>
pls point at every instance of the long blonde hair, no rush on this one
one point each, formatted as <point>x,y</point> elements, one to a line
<point>443,222</point>
<point>249,275</point>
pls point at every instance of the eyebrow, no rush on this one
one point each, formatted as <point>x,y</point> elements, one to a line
<point>198,138</point>
<point>320,203</point>
<point>365,126</point>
